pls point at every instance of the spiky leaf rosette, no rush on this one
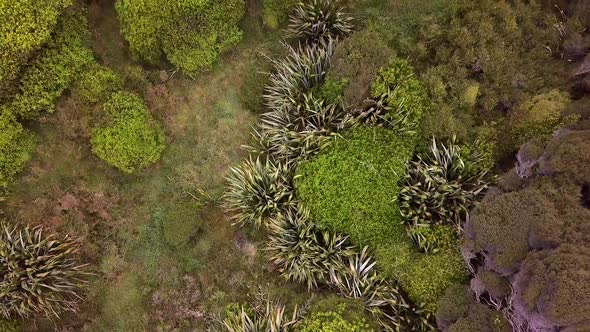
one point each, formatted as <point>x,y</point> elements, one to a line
<point>258,189</point>
<point>302,252</point>
<point>304,68</point>
<point>359,280</point>
<point>318,20</point>
<point>297,133</point>
<point>273,318</point>
<point>40,276</point>
<point>441,187</point>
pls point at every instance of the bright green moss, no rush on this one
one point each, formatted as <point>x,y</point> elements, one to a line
<point>97,84</point>
<point>351,188</point>
<point>132,140</point>
<point>191,34</point>
<point>16,147</point>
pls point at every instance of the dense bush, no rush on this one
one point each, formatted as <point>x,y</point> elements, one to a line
<point>276,12</point>
<point>55,69</point>
<point>318,21</point>
<point>16,147</point>
<point>9,326</point>
<point>333,321</point>
<point>132,139</point>
<point>540,116</point>
<point>40,274</point>
<point>351,188</point>
<point>352,309</point>
<point>537,235</point>
<point>25,27</point>
<point>404,97</point>
<point>331,91</point>
<point>257,191</point>
<point>180,223</point>
<point>191,34</point>
<point>441,187</point>
<point>97,84</point>
<point>358,60</point>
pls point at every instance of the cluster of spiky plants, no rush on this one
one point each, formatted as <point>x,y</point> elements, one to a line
<point>272,318</point>
<point>319,20</point>
<point>258,189</point>
<point>441,187</point>
<point>39,275</point>
<point>302,252</point>
<point>302,69</point>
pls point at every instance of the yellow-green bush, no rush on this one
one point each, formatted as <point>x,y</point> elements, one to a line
<point>97,84</point>
<point>132,139</point>
<point>55,69</point>
<point>16,147</point>
<point>333,321</point>
<point>351,188</point>
<point>25,26</point>
<point>276,12</point>
<point>540,116</point>
<point>191,34</point>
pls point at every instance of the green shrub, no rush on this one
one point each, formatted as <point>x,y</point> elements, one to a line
<point>55,69</point>
<point>351,188</point>
<point>97,84</point>
<point>354,309</point>
<point>331,91</point>
<point>180,223</point>
<point>358,59</point>
<point>25,26</point>
<point>481,318</point>
<point>540,116</point>
<point>16,147</point>
<point>133,139</point>
<point>333,321</point>
<point>191,34</point>
<point>317,21</point>
<point>276,12</point>
<point>54,285</point>
<point>454,305</point>
<point>404,96</point>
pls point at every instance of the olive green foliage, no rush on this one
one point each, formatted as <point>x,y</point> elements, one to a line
<point>318,20</point>
<point>55,69</point>
<point>276,12</point>
<point>358,59</point>
<point>302,252</point>
<point>272,317</point>
<point>25,26</point>
<point>54,285</point>
<point>353,309</point>
<point>404,97</point>
<point>257,191</point>
<point>351,188</point>
<point>441,187</point>
<point>9,326</point>
<point>132,139</point>
<point>191,34</point>
<point>481,318</point>
<point>97,84</point>
<point>181,223</point>
<point>489,55</point>
<point>333,321</point>
<point>453,305</point>
<point>540,116</point>
<point>16,147</point>
<point>537,236</point>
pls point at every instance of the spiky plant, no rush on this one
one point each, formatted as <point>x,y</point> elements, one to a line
<point>318,20</point>
<point>304,68</point>
<point>302,252</point>
<point>441,187</point>
<point>258,189</point>
<point>359,280</point>
<point>272,319</point>
<point>39,274</point>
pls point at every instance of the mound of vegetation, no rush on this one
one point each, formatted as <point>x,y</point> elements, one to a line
<point>190,34</point>
<point>16,147</point>
<point>352,186</point>
<point>132,139</point>
<point>535,233</point>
